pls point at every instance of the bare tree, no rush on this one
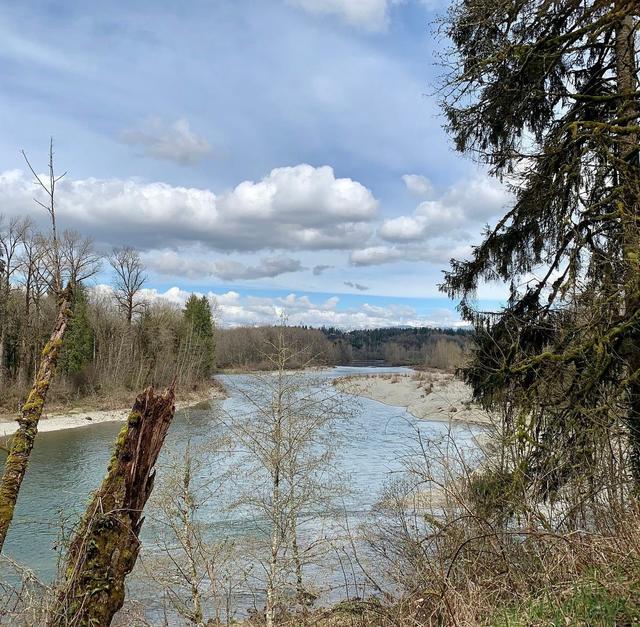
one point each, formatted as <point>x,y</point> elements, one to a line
<point>200,575</point>
<point>49,189</point>
<point>79,260</point>
<point>12,238</point>
<point>31,279</point>
<point>129,280</point>
<point>288,442</point>
<point>19,451</point>
<point>13,235</point>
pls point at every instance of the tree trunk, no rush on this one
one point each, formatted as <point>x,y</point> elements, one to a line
<point>186,513</point>
<point>278,506</point>
<point>4,306</point>
<point>301,593</point>
<point>105,547</point>
<point>2,343</point>
<point>628,171</point>
<point>22,442</point>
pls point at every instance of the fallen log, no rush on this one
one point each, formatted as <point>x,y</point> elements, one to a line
<point>104,549</point>
<point>22,442</point>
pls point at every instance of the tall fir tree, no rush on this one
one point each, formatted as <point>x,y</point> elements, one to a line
<point>78,346</point>
<point>546,94</point>
<point>197,315</point>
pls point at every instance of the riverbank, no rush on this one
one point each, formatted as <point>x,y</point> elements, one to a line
<point>270,370</point>
<point>75,417</point>
<point>430,395</point>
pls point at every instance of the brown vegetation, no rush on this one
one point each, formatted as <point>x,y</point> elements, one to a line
<point>242,348</point>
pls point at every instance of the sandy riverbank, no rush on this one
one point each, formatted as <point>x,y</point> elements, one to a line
<point>81,417</point>
<point>426,395</point>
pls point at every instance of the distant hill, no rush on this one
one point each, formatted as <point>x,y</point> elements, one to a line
<point>397,346</point>
<point>244,347</point>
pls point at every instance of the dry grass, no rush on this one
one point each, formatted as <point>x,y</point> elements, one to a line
<point>60,403</point>
<point>452,542</point>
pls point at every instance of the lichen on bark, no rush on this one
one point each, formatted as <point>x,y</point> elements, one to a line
<point>105,546</point>
<point>22,442</point>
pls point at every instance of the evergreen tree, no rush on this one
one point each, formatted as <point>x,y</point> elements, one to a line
<point>78,346</point>
<point>546,94</point>
<point>197,315</point>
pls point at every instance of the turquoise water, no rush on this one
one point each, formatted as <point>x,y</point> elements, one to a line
<point>67,465</point>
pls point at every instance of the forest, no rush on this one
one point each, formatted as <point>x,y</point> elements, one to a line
<point>242,347</point>
<point>116,341</point>
<point>527,515</point>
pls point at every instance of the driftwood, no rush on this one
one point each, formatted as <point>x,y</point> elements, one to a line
<point>105,547</point>
<point>21,446</point>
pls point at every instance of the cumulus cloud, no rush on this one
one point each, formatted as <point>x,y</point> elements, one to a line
<point>172,142</point>
<point>403,229</point>
<point>465,204</point>
<point>371,15</point>
<point>417,184</point>
<point>357,286</point>
<point>292,208</point>
<point>480,198</point>
<point>433,252</point>
<point>173,264</point>
<point>375,255</point>
<point>438,230</point>
<point>232,310</point>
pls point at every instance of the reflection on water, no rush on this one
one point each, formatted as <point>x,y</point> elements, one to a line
<point>67,465</point>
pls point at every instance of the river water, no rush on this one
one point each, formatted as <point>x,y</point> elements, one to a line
<point>67,465</point>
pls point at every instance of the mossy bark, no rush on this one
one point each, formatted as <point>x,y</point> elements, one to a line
<point>21,446</point>
<point>628,172</point>
<point>105,546</point>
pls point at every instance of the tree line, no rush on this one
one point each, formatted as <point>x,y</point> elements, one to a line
<point>117,341</point>
<point>243,347</point>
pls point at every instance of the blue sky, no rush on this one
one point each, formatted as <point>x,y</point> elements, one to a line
<point>281,155</point>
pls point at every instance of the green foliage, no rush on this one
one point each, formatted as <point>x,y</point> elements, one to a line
<point>493,492</point>
<point>197,315</point>
<point>77,349</point>
<point>590,602</point>
<point>412,346</point>
<point>546,94</point>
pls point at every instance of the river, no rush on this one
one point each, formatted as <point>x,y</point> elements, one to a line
<point>67,465</point>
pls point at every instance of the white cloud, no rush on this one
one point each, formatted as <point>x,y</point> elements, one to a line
<point>292,208</point>
<point>172,142</point>
<point>417,184</point>
<point>232,310</point>
<point>480,198</point>
<point>430,219</point>
<point>463,207</point>
<point>171,263</point>
<point>433,252</point>
<point>371,15</point>
<point>404,229</point>
<point>374,255</point>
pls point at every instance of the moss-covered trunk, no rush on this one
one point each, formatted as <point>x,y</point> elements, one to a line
<point>105,547</point>
<point>17,461</point>
<point>628,173</point>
